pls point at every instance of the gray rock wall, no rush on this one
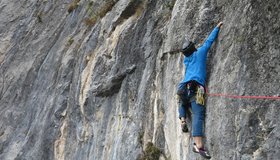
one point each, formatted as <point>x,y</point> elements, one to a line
<point>88,79</point>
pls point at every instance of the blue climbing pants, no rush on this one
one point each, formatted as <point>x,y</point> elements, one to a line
<point>198,116</point>
<point>198,111</point>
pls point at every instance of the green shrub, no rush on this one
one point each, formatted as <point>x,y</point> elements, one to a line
<point>73,5</point>
<point>39,17</point>
<point>151,152</point>
<point>70,41</point>
<point>91,21</point>
<point>140,137</point>
<point>100,13</point>
<point>170,4</point>
<point>106,8</point>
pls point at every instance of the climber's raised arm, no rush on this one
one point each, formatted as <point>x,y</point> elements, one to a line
<point>211,38</point>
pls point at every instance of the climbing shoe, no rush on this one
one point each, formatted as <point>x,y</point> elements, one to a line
<point>184,126</point>
<point>201,151</point>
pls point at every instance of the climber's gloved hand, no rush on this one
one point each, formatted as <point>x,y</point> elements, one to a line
<point>220,24</point>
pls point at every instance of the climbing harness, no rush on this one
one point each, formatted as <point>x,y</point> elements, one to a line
<point>192,91</point>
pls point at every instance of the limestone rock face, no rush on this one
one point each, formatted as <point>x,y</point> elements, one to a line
<point>87,79</point>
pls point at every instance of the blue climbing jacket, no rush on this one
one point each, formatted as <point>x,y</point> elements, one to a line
<point>196,63</point>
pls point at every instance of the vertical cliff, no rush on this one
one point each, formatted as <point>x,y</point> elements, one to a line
<point>87,79</point>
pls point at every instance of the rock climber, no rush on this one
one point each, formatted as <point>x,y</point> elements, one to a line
<point>191,90</point>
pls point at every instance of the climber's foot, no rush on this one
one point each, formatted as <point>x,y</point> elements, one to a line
<point>184,126</point>
<point>202,151</point>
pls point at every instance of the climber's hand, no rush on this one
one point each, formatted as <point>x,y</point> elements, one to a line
<point>220,24</point>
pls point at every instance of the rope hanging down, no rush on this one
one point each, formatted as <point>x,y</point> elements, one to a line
<point>241,97</point>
